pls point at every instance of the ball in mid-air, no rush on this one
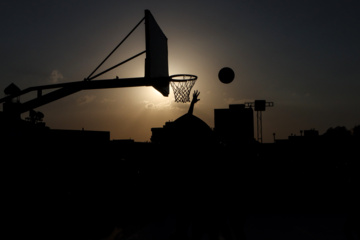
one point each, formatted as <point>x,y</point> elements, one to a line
<point>226,75</point>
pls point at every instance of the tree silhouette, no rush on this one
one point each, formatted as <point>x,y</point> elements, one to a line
<point>35,117</point>
<point>356,131</point>
<point>337,133</point>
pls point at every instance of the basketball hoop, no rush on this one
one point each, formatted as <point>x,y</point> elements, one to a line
<point>182,84</point>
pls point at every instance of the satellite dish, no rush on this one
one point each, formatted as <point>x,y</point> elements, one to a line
<point>226,75</point>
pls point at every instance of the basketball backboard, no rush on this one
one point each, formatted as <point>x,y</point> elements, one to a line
<point>156,74</point>
<point>156,62</point>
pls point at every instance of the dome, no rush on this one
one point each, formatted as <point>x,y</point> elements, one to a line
<point>186,129</point>
<point>192,122</point>
<point>189,128</point>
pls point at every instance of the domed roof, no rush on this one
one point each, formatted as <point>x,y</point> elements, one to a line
<point>190,121</point>
<point>189,128</point>
<point>186,129</point>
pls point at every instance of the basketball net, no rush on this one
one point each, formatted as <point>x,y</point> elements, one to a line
<point>182,90</point>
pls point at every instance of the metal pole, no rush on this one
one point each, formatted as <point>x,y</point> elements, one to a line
<point>261,138</point>
<point>116,65</point>
<point>115,48</point>
<point>257,125</point>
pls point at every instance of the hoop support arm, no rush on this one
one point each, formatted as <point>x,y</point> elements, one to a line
<point>66,89</point>
<point>115,49</point>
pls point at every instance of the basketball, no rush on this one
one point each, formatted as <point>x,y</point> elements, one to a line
<point>226,75</point>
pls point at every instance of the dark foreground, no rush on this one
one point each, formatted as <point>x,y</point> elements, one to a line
<point>147,191</point>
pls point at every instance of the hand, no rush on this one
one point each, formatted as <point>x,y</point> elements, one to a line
<point>195,96</point>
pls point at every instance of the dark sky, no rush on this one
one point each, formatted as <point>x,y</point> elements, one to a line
<point>302,55</point>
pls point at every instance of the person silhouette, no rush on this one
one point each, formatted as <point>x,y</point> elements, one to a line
<point>202,182</point>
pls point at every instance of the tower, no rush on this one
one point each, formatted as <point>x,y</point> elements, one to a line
<point>260,106</point>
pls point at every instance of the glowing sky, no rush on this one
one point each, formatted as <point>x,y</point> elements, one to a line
<point>302,55</point>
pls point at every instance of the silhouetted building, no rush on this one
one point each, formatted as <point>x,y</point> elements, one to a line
<point>306,136</point>
<point>34,131</point>
<point>77,136</point>
<point>234,125</point>
<point>186,129</point>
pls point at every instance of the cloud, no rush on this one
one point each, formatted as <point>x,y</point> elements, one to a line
<point>157,106</point>
<point>167,105</point>
<point>231,100</point>
<point>108,100</point>
<point>85,99</point>
<point>149,105</point>
<point>56,76</point>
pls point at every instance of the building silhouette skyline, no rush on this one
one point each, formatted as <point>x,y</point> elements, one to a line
<point>80,184</point>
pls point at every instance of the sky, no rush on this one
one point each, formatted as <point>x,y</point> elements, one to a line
<point>302,55</point>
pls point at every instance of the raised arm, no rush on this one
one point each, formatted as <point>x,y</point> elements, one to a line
<point>194,100</point>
